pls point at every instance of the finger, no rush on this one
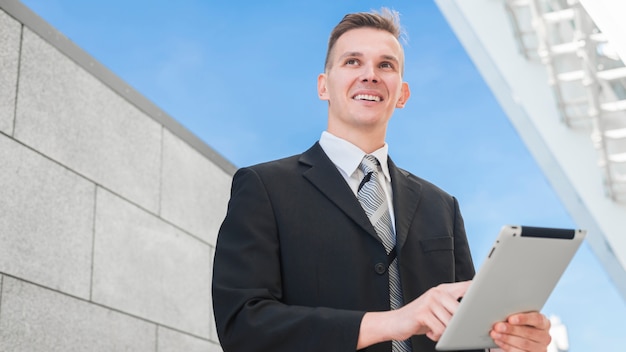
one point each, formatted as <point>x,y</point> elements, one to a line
<point>534,319</point>
<point>435,336</point>
<point>457,289</point>
<point>436,329</point>
<point>439,306</point>
<point>444,312</point>
<point>447,296</point>
<point>502,346</point>
<point>512,343</point>
<point>521,336</point>
<point>522,331</point>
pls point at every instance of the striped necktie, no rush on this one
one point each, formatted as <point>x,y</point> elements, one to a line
<point>372,197</point>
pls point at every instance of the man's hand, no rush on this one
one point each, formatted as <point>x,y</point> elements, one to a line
<point>431,312</point>
<point>428,314</point>
<point>524,332</point>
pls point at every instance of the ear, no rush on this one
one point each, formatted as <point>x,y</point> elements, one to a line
<point>405,93</point>
<point>322,92</point>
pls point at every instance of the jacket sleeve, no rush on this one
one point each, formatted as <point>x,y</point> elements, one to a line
<point>247,295</point>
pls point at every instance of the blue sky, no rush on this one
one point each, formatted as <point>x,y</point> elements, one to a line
<point>241,75</point>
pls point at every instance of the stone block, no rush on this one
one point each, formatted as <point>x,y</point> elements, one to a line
<point>35,319</point>
<point>173,341</point>
<point>9,56</point>
<point>46,226</point>
<point>195,191</point>
<point>149,268</point>
<point>70,116</point>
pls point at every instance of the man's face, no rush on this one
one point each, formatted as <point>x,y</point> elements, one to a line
<point>363,82</point>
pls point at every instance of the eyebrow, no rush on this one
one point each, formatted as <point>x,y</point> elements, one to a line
<point>350,54</point>
<point>391,58</point>
<point>360,54</point>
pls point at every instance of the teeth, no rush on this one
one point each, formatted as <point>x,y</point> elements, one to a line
<point>367,97</point>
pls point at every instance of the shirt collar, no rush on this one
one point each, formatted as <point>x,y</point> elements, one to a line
<point>347,156</point>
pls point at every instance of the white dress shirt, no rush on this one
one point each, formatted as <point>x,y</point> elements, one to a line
<point>347,157</point>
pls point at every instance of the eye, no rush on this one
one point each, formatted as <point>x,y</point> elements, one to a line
<point>386,65</point>
<point>352,62</point>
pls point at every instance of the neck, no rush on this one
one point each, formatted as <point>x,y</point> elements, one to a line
<point>368,141</point>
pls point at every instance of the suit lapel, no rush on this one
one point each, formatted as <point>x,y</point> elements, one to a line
<point>323,174</point>
<point>406,196</point>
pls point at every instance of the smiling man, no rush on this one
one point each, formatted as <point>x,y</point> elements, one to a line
<point>338,249</point>
<point>363,85</point>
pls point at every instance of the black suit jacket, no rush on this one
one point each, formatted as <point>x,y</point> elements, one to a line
<point>298,263</point>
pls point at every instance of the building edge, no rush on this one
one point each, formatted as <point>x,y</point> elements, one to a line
<point>38,25</point>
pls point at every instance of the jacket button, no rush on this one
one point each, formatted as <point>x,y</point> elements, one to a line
<point>380,268</point>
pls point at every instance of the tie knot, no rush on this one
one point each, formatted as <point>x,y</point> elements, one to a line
<point>369,164</point>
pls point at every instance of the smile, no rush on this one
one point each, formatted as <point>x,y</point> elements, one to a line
<point>366,97</point>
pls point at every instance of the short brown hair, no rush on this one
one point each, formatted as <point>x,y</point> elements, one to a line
<point>385,19</point>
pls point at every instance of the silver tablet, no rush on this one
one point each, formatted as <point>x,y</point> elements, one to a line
<point>518,275</point>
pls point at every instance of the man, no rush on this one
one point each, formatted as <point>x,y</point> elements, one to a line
<point>338,249</point>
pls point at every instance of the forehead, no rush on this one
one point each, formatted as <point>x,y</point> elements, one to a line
<point>368,41</point>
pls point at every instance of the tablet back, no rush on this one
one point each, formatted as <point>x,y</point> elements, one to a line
<point>518,275</point>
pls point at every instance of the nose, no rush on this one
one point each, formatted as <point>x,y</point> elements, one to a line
<point>369,74</point>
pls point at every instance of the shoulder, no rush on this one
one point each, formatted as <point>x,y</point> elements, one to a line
<point>429,198</point>
<point>294,164</point>
<point>270,173</point>
<point>425,186</point>
<point>273,168</point>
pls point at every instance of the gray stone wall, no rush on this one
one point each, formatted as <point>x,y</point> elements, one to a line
<point>108,212</point>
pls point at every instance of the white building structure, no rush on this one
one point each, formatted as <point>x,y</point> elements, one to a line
<point>557,69</point>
